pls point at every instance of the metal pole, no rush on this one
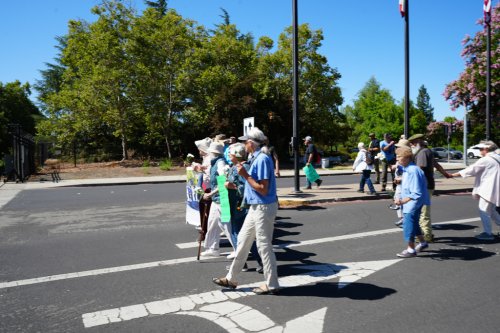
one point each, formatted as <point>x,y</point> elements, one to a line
<point>407,70</point>
<point>295,138</point>
<point>488,82</point>
<point>465,135</point>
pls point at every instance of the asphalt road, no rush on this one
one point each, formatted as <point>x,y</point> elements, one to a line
<point>121,260</point>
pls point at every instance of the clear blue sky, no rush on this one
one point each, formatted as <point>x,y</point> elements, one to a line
<point>362,38</point>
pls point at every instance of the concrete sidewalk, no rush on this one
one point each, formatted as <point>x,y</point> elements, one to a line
<point>287,196</point>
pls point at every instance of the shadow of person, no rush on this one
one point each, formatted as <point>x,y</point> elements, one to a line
<point>463,241</point>
<point>452,226</point>
<point>355,291</point>
<point>465,253</point>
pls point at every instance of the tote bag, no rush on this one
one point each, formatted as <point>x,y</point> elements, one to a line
<point>311,173</point>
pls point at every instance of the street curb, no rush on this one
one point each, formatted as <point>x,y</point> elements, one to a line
<point>290,203</point>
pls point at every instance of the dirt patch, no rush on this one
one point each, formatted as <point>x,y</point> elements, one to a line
<point>115,169</point>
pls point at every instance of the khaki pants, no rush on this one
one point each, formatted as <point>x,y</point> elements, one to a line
<point>425,220</point>
<point>259,225</point>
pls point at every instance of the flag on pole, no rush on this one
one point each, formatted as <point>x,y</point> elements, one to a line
<point>402,7</point>
<point>487,11</point>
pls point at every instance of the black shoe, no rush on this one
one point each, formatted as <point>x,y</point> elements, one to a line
<point>360,191</point>
<point>260,270</point>
<point>319,182</point>
<point>307,188</point>
<point>377,182</point>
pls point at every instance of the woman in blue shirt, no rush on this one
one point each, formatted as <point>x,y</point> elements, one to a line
<point>413,196</point>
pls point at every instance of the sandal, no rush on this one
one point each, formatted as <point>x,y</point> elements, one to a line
<point>224,282</point>
<point>264,290</point>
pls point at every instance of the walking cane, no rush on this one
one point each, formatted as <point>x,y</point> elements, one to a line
<point>204,211</point>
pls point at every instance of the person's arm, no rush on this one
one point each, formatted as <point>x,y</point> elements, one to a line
<point>260,186</point>
<point>276,164</point>
<point>440,168</point>
<point>388,146</point>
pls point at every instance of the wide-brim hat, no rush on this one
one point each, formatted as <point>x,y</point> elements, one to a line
<point>403,143</point>
<point>308,138</point>
<point>415,137</point>
<point>203,144</point>
<point>216,148</point>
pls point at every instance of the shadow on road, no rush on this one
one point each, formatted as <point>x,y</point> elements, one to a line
<point>355,290</point>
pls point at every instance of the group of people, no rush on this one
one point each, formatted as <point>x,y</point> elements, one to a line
<point>250,171</point>
<point>251,184</point>
<point>412,165</point>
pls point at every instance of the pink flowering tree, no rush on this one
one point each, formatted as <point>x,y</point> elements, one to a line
<point>437,137</point>
<point>469,90</point>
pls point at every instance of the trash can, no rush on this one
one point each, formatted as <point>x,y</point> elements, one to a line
<point>325,163</point>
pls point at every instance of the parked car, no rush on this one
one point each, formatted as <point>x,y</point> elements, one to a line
<point>456,154</point>
<point>440,152</point>
<point>473,152</point>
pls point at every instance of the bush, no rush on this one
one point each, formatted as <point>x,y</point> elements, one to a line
<point>166,165</point>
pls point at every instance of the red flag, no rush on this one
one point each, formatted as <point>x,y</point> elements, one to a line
<point>487,11</point>
<point>402,4</point>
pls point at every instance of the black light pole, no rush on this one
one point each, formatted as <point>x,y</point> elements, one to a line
<point>488,81</point>
<point>295,138</point>
<point>407,69</point>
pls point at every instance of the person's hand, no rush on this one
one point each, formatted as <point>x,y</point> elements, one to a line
<point>398,202</point>
<point>241,170</point>
<point>448,175</point>
<point>307,164</point>
<point>277,174</point>
<point>207,196</point>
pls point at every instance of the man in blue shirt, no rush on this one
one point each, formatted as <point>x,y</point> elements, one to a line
<point>413,196</point>
<point>260,196</point>
<point>387,148</point>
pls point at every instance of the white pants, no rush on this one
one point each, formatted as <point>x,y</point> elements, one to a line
<point>487,212</point>
<point>258,225</point>
<point>214,226</point>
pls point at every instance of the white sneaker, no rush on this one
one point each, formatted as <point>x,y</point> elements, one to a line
<point>231,255</point>
<point>210,253</point>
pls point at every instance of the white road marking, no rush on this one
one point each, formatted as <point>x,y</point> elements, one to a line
<point>116,269</point>
<point>218,306</point>
<point>9,192</point>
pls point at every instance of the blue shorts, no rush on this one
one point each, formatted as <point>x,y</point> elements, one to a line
<point>411,228</point>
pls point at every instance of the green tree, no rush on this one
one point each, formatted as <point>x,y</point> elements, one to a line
<point>319,94</point>
<point>160,46</point>
<point>219,80</point>
<point>424,105</point>
<point>16,108</point>
<point>374,110</point>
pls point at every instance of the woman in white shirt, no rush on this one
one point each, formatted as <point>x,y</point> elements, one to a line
<point>364,164</point>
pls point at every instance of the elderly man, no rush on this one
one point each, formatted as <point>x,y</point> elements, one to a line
<point>260,195</point>
<point>423,158</point>
<point>486,186</point>
<point>387,147</point>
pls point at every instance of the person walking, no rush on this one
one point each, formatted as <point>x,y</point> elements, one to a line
<point>212,238</point>
<point>486,186</point>
<point>235,185</point>
<point>424,158</point>
<point>364,164</point>
<point>374,149</point>
<point>260,195</point>
<point>310,158</point>
<point>389,159</point>
<point>398,171</point>
<point>413,196</point>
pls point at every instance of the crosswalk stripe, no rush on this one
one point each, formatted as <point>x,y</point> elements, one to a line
<point>58,277</point>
